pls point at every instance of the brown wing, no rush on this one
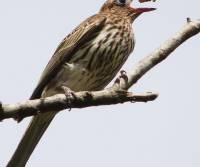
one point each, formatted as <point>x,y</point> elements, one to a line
<point>89,28</point>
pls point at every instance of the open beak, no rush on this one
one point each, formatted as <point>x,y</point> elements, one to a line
<point>142,10</point>
<point>135,12</point>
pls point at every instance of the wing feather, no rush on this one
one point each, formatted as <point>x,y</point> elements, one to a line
<point>90,27</point>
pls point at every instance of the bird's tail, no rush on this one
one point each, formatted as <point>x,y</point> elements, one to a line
<point>33,134</point>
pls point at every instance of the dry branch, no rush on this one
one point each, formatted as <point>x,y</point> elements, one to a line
<point>78,100</point>
<point>190,29</point>
<point>114,95</point>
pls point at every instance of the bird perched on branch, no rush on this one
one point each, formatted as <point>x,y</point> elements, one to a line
<point>86,60</point>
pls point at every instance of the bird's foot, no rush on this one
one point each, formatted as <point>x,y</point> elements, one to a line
<point>69,95</point>
<point>123,75</point>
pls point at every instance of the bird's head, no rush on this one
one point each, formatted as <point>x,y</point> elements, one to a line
<point>123,8</point>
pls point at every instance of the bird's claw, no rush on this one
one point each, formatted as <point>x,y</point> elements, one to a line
<point>123,75</point>
<point>69,94</point>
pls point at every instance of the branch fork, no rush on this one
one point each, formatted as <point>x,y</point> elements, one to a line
<point>118,93</point>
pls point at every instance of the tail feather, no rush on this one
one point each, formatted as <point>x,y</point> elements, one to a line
<point>33,134</point>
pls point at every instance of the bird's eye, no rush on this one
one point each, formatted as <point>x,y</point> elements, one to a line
<point>122,2</point>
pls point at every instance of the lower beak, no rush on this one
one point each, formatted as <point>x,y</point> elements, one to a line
<point>142,10</point>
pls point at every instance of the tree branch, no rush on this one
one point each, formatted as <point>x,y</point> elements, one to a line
<point>190,29</point>
<point>114,95</point>
<point>78,100</point>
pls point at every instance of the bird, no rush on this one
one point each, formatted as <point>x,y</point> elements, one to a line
<point>86,60</point>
